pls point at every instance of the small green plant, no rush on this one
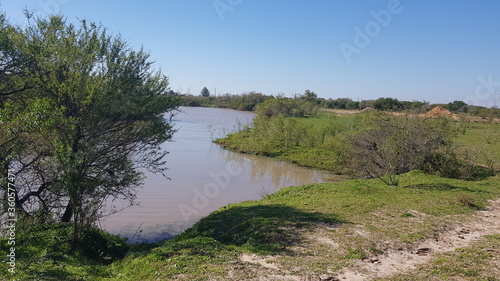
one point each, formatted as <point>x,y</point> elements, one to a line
<point>390,179</point>
<point>407,215</point>
<point>467,200</point>
<point>376,251</point>
<point>355,254</point>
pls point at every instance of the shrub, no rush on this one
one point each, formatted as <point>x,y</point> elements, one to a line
<point>102,247</point>
<point>386,145</point>
<point>467,200</point>
<point>287,108</point>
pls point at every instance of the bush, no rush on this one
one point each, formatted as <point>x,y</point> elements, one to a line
<point>102,247</point>
<point>287,108</point>
<point>443,163</point>
<point>467,200</point>
<point>484,112</point>
<point>386,145</point>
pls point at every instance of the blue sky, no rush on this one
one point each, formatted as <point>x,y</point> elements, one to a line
<point>437,51</point>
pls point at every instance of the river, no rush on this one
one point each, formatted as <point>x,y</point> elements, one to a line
<point>202,178</point>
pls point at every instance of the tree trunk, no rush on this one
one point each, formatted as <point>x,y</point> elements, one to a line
<point>68,213</point>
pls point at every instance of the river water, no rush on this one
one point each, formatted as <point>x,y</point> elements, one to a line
<point>202,178</point>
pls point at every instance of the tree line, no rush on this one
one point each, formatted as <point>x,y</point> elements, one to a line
<point>248,102</point>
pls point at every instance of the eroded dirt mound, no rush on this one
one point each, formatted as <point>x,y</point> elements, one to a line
<point>439,111</point>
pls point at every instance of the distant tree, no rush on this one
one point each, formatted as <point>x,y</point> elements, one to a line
<point>309,96</point>
<point>387,104</point>
<point>414,106</point>
<point>457,106</point>
<point>205,92</point>
<point>87,113</point>
<point>366,103</point>
<point>286,107</point>
<point>342,103</point>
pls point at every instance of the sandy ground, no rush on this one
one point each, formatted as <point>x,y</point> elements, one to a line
<point>485,222</point>
<point>395,261</point>
<point>341,111</point>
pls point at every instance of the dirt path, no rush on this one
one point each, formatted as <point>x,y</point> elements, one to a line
<point>485,222</point>
<point>340,111</point>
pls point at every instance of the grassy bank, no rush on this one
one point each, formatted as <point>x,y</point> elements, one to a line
<point>303,231</point>
<point>319,141</point>
<point>304,150</point>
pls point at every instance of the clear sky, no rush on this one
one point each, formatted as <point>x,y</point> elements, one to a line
<point>437,51</point>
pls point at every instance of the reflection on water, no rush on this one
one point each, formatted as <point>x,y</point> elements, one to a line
<point>203,178</point>
<point>276,174</point>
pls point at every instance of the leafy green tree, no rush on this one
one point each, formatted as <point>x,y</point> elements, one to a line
<point>457,106</point>
<point>342,103</point>
<point>12,85</point>
<point>309,96</point>
<point>205,92</point>
<point>387,104</point>
<point>87,113</point>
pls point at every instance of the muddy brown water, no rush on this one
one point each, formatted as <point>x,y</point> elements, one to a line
<point>203,178</point>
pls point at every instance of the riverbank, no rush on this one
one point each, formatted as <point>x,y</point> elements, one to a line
<point>356,228</point>
<point>319,141</point>
<point>295,140</point>
<point>325,231</point>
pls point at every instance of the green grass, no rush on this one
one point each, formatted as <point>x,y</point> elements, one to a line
<point>312,158</point>
<point>42,253</point>
<point>323,118</point>
<point>482,134</point>
<point>361,216</point>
